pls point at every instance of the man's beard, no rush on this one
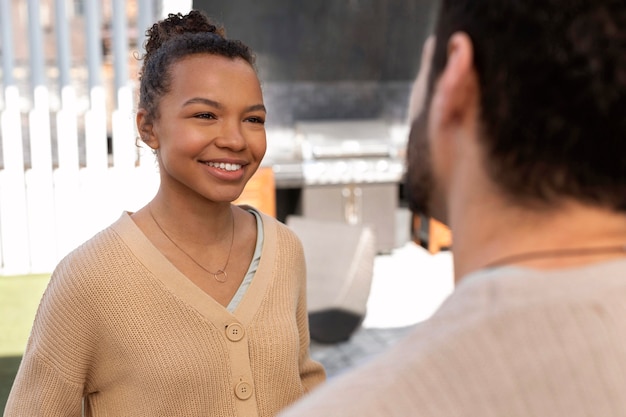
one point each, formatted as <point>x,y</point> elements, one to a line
<point>419,179</point>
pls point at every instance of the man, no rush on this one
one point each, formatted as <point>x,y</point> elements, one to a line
<point>520,147</point>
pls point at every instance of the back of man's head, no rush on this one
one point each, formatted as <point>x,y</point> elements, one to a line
<point>552,77</point>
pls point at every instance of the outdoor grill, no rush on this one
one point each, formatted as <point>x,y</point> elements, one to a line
<point>351,171</point>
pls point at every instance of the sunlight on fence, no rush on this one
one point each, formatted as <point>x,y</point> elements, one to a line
<point>47,210</point>
<point>70,164</point>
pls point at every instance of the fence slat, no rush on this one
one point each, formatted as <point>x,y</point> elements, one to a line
<point>39,186</point>
<point>124,149</point>
<point>13,218</point>
<point>65,179</point>
<point>96,116</point>
<point>96,153</point>
<point>67,131</point>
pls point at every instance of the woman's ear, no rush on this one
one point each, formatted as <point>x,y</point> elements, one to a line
<point>145,129</point>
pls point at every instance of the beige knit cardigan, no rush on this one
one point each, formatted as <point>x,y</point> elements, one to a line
<point>122,328</point>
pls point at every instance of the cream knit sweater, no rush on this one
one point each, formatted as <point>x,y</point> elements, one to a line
<point>122,328</point>
<point>509,342</point>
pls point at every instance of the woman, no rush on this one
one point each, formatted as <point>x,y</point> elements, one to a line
<point>191,306</point>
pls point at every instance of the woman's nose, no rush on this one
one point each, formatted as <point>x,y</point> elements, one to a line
<point>232,137</point>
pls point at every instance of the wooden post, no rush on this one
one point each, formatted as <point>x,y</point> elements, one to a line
<point>260,192</point>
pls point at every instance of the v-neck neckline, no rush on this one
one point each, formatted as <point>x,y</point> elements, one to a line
<point>183,288</point>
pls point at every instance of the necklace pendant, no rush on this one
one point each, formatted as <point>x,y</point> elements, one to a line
<point>220,276</point>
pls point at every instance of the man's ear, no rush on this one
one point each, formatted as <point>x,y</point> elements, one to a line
<point>457,87</point>
<point>145,129</point>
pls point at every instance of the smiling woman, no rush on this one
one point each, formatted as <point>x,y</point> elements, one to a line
<point>192,305</point>
<point>213,120</point>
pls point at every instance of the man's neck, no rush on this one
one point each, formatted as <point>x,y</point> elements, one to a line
<point>494,232</point>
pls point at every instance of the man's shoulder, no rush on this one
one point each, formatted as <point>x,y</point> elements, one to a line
<point>490,340</point>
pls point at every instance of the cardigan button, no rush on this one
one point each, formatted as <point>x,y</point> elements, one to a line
<point>234,332</point>
<point>243,390</point>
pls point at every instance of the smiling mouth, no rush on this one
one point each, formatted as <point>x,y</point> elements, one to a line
<point>224,166</point>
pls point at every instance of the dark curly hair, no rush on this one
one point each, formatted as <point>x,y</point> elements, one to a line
<point>174,38</point>
<point>552,77</point>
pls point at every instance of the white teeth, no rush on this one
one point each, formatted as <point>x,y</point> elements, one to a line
<point>224,166</point>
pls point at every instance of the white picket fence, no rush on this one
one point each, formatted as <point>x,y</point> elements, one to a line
<point>51,200</point>
<point>46,211</point>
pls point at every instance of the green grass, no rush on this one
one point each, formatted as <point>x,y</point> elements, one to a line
<point>19,298</point>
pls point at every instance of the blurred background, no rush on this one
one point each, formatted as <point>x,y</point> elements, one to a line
<point>336,77</point>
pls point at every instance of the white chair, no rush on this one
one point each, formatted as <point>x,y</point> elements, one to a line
<point>340,266</point>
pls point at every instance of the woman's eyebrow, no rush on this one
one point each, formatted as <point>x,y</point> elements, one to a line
<point>218,105</point>
<point>202,100</point>
<point>257,107</point>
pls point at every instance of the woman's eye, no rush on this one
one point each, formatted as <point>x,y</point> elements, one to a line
<point>205,116</point>
<point>256,119</point>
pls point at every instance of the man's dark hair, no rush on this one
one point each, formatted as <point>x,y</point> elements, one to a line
<point>552,76</point>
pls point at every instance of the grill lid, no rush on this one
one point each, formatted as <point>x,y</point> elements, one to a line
<point>354,151</point>
<point>345,139</point>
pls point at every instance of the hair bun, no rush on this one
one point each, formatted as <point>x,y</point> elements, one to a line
<point>178,24</point>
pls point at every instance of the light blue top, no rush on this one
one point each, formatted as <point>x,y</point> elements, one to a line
<point>253,265</point>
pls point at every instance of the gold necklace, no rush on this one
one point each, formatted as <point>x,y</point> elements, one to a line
<point>220,272</point>
<point>553,253</point>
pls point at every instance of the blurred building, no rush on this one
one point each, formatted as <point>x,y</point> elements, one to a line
<point>328,59</point>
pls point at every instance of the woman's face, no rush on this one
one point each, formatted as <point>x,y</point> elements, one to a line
<point>210,132</point>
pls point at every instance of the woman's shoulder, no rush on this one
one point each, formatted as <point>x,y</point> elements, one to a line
<point>98,254</point>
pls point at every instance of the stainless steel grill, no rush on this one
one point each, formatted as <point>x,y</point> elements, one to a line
<point>348,152</point>
<point>351,171</point>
